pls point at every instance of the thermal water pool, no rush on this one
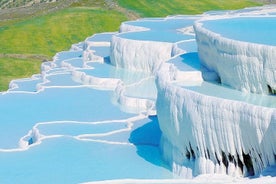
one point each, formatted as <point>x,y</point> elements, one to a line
<point>69,133</point>
<point>260,30</point>
<point>86,119</point>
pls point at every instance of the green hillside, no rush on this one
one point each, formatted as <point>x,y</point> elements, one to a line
<point>48,34</point>
<point>153,8</point>
<point>34,33</point>
<point>38,38</point>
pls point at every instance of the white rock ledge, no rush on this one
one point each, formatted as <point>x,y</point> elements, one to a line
<point>139,55</point>
<point>245,66</point>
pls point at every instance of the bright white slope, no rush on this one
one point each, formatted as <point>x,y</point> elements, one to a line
<point>244,62</point>
<point>88,111</point>
<point>206,127</point>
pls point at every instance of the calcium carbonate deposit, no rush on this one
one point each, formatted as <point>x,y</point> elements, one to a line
<point>180,99</point>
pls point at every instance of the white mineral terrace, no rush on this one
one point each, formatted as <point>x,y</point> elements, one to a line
<point>156,102</point>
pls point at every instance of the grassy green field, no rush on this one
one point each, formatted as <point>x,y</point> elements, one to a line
<point>46,35</point>
<point>57,31</point>
<point>25,42</point>
<point>161,8</point>
<point>22,67</point>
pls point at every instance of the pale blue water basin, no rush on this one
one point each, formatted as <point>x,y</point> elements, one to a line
<point>61,79</point>
<point>75,62</point>
<point>78,128</point>
<point>61,56</point>
<point>220,91</point>
<point>131,153</point>
<point>29,85</point>
<point>191,62</point>
<point>164,24</point>
<point>158,36</point>
<point>21,111</point>
<point>56,71</point>
<point>76,134</point>
<point>102,70</point>
<point>143,89</point>
<point>67,160</point>
<point>186,62</point>
<point>103,51</point>
<point>260,30</point>
<point>188,46</point>
<point>101,37</point>
<point>106,70</point>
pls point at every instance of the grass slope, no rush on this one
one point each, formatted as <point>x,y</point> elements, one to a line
<point>23,67</point>
<point>43,36</point>
<point>27,39</point>
<point>57,31</point>
<point>161,8</point>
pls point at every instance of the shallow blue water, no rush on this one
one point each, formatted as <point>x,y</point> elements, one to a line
<point>75,62</point>
<point>100,37</point>
<point>189,46</point>
<point>217,90</point>
<point>76,133</point>
<point>164,24</point>
<point>259,30</point>
<point>26,84</point>
<point>106,70</point>
<point>62,79</point>
<point>84,135</point>
<point>61,56</point>
<point>187,62</point>
<point>20,112</point>
<point>160,36</point>
<point>75,161</point>
<point>103,51</point>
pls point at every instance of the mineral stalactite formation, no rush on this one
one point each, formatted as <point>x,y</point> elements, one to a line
<point>214,103</point>
<point>199,88</point>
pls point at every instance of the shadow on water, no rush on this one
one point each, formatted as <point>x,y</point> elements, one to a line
<point>191,59</point>
<point>146,139</point>
<point>270,171</point>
